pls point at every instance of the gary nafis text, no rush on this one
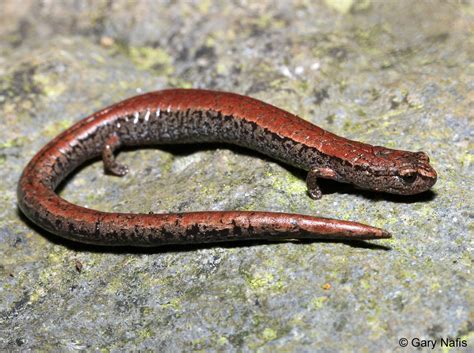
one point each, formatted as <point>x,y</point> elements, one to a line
<point>442,342</point>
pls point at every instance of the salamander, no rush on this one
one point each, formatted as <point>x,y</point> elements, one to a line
<point>182,116</point>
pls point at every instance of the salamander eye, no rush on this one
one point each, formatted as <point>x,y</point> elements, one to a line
<point>409,178</point>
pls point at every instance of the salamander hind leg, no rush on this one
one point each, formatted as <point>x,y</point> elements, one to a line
<point>111,166</point>
<point>312,180</point>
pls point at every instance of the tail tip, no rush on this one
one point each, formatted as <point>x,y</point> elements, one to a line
<point>384,234</point>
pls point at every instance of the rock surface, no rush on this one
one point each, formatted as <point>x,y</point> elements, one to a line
<point>392,73</point>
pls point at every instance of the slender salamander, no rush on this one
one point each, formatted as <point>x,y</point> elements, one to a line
<point>178,116</point>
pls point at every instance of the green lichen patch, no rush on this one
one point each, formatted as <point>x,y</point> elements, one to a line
<point>19,87</point>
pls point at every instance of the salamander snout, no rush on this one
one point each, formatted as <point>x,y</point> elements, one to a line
<point>418,177</point>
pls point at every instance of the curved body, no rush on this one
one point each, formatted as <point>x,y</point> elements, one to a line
<point>192,116</point>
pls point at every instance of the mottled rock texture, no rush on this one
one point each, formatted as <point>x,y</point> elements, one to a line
<point>392,73</point>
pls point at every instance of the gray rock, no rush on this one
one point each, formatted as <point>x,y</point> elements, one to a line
<point>391,73</point>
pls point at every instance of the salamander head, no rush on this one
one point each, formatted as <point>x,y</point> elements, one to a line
<point>398,172</point>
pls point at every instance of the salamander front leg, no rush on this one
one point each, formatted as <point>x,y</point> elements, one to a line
<point>111,166</point>
<point>312,180</point>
